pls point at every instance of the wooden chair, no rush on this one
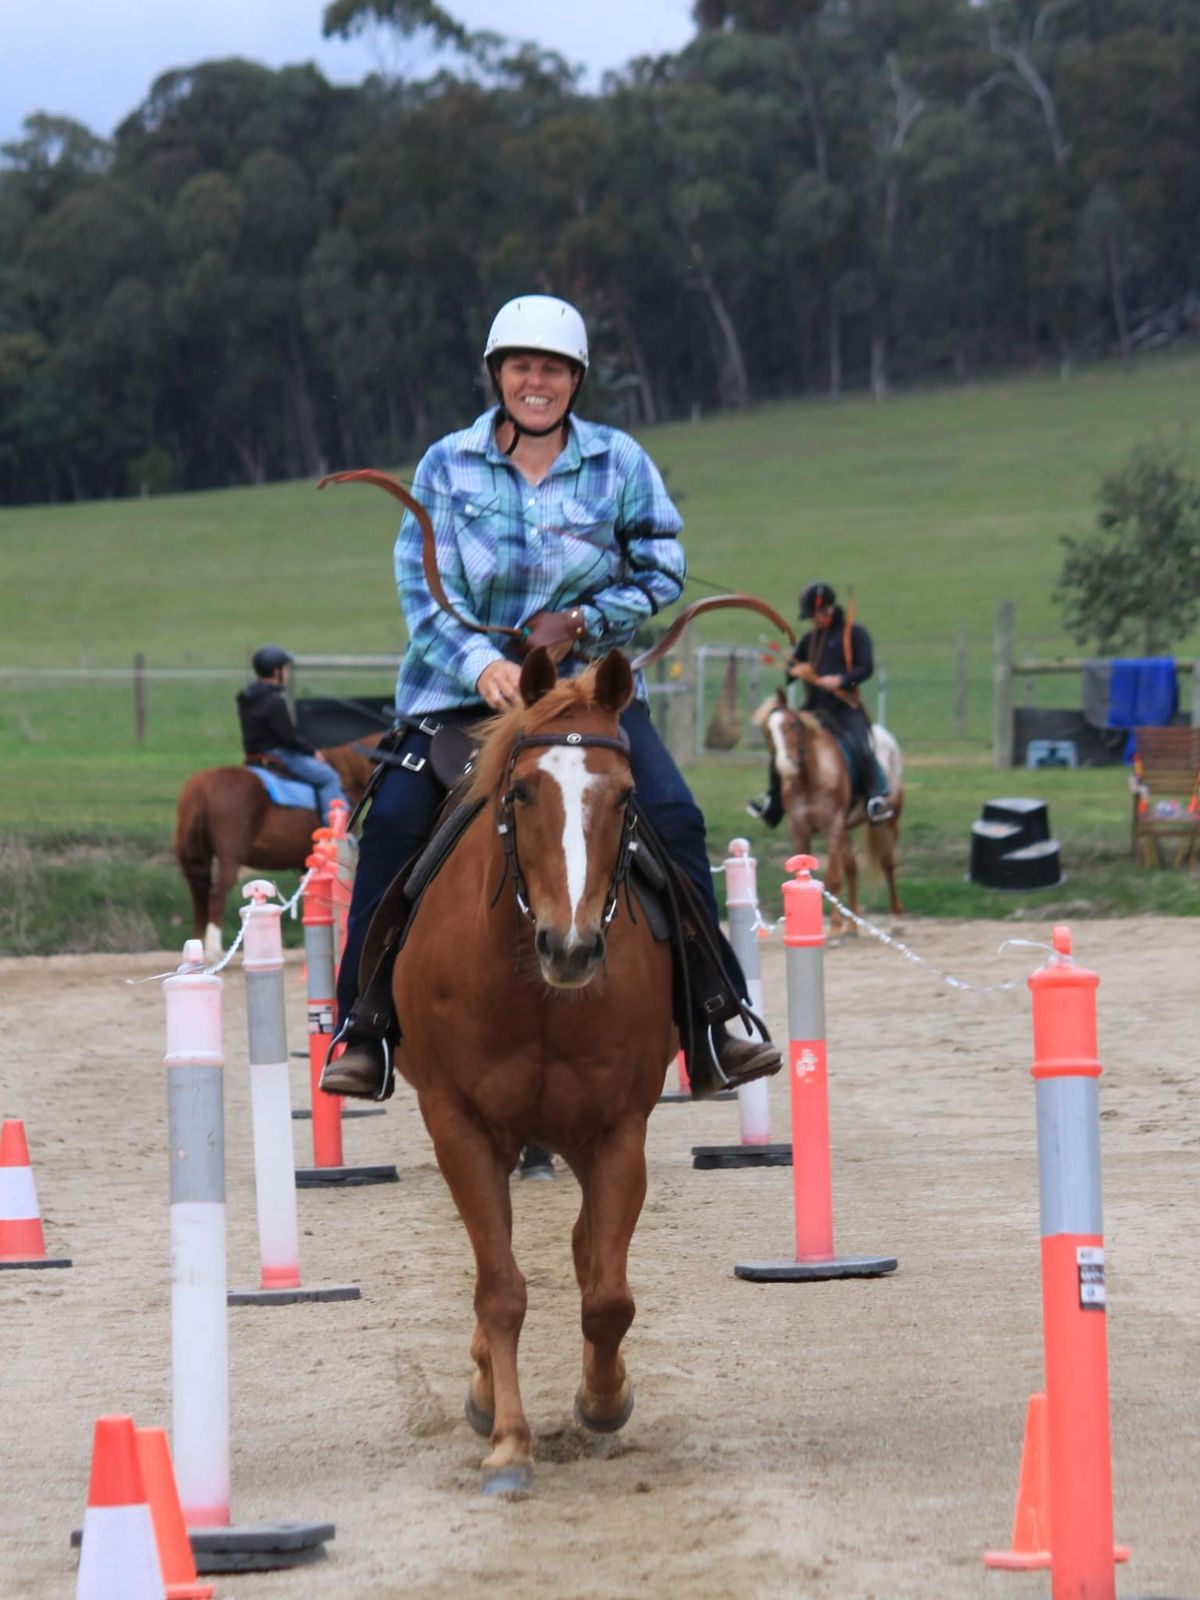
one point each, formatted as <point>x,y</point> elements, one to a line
<point>1166,796</point>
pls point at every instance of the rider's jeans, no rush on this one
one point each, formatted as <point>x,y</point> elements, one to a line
<point>309,770</point>
<point>402,812</point>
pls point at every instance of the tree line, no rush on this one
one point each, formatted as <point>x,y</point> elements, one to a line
<point>263,275</point>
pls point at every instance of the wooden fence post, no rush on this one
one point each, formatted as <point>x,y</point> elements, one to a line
<point>139,697</point>
<point>1002,686</point>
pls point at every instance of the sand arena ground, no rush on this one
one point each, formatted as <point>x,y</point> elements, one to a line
<point>854,1440</point>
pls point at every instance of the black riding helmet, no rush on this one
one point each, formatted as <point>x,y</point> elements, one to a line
<point>268,658</point>
<point>817,594</point>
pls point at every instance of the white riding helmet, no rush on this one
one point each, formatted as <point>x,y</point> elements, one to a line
<point>538,322</point>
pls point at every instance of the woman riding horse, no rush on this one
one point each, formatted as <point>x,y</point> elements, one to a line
<point>561,529</point>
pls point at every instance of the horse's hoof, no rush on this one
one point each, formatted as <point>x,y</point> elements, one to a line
<point>536,1163</point>
<point>605,1424</point>
<point>513,1482</point>
<point>482,1421</point>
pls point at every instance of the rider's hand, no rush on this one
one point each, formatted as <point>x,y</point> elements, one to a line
<point>500,685</point>
<point>557,631</point>
<point>831,680</point>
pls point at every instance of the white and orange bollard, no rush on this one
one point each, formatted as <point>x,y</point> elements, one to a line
<point>1076,1520</point>
<point>320,913</point>
<point>271,1111</point>
<point>195,1059</point>
<point>22,1242</point>
<point>118,1556</point>
<point>754,1113</point>
<point>804,941</point>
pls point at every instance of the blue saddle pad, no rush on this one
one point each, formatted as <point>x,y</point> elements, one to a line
<point>287,791</point>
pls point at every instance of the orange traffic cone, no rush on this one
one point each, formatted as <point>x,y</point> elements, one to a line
<point>117,1559</point>
<point>170,1531</point>
<point>1031,1522</point>
<point>21,1241</point>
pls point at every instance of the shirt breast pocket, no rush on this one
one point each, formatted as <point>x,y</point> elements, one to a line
<point>591,519</point>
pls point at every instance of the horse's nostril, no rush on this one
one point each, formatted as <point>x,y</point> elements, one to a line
<point>543,944</point>
<point>599,944</point>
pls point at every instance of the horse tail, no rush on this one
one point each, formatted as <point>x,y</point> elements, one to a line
<point>194,847</point>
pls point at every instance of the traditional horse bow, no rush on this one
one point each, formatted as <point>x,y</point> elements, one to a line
<point>712,602</point>
<point>433,578</point>
<point>716,602</point>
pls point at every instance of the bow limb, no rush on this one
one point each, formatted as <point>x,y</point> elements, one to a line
<point>433,578</point>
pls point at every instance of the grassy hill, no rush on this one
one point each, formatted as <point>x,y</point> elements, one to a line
<point>932,506</point>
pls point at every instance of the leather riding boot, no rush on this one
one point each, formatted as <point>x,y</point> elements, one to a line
<point>743,1060</point>
<point>722,1061</point>
<point>363,1070</point>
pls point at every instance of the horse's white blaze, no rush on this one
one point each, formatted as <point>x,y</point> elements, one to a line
<point>785,764</point>
<point>568,768</point>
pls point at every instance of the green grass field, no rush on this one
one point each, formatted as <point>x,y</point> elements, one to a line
<point>933,506</point>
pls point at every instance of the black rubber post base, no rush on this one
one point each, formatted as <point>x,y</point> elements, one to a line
<point>709,1157</point>
<point>344,1177</point>
<point>304,1113</point>
<point>260,1549</point>
<point>815,1271</point>
<point>291,1297</point>
<point>672,1097</point>
<point>43,1261</point>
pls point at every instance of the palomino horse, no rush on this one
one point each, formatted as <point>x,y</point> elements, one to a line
<point>816,798</point>
<point>533,1006</point>
<point>226,820</point>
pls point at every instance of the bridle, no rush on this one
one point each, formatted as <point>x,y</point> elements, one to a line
<point>506,822</point>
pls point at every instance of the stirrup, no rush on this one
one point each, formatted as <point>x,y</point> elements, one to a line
<point>346,1035</point>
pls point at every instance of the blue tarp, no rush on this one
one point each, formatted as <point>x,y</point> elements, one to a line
<point>1142,693</point>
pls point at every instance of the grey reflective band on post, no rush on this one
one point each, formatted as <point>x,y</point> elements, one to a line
<point>266,1020</point>
<point>1068,1132</point>
<point>196,1129</point>
<point>806,992</point>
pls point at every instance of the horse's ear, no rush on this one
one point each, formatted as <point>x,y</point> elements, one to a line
<point>538,675</point>
<point>614,682</point>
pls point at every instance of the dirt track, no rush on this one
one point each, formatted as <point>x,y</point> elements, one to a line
<point>857,1440</point>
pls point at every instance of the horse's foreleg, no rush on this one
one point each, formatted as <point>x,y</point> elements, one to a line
<point>851,863</point>
<point>614,1187</point>
<point>477,1176</point>
<point>837,851</point>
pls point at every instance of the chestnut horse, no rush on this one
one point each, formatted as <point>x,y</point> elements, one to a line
<point>225,820</point>
<point>816,799</point>
<point>533,1006</point>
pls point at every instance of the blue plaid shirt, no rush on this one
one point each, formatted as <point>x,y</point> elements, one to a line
<point>600,531</point>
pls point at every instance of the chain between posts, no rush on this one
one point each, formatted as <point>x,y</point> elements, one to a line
<point>768,929</point>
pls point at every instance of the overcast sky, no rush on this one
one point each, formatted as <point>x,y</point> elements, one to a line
<point>94,60</point>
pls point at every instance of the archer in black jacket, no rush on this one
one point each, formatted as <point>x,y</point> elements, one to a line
<point>833,660</point>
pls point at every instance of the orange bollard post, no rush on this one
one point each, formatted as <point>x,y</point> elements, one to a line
<point>1066,1069</point>
<point>329,1166</point>
<point>319,972</point>
<point>804,938</point>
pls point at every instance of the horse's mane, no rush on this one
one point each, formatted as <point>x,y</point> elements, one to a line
<point>500,733</point>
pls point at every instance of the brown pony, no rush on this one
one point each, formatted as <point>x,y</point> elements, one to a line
<point>534,1007</point>
<point>816,799</point>
<point>226,818</point>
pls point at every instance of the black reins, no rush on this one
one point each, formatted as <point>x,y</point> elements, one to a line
<point>506,825</point>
